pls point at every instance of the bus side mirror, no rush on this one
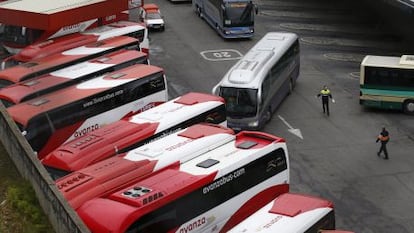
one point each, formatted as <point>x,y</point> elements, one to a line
<point>256,9</point>
<point>214,91</point>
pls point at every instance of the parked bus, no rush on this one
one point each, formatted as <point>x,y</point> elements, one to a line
<point>291,213</point>
<point>387,82</point>
<point>257,84</point>
<point>122,170</point>
<point>230,18</point>
<point>58,61</point>
<point>56,45</point>
<point>67,76</point>
<point>52,119</point>
<point>137,130</point>
<point>207,189</point>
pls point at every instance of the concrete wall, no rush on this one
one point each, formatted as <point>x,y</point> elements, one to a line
<point>61,215</point>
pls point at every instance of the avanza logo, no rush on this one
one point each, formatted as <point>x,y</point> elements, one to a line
<point>146,107</point>
<point>86,130</point>
<point>194,225</point>
<point>273,221</point>
<point>71,27</point>
<point>180,144</point>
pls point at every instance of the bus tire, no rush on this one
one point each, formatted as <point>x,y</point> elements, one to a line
<point>408,107</point>
<point>199,13</point>
<point>291,86</point>
<point>268,115</point>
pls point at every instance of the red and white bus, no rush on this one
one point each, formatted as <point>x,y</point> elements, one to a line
<point>291,213</point>
<point>208,191</point>
<point>122,170</point>
<point>56,45</point>
<point>137,130</point>
<point>54,62</point>
<point>70,75</point>
<point>52,119</point>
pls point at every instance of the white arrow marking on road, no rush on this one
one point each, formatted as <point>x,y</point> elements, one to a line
<point>291,129</point>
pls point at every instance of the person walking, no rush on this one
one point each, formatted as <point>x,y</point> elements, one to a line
<point>326,95</point>
<point>383,137</point>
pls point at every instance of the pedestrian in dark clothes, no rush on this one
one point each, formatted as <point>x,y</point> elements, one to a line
<point>383,137</point>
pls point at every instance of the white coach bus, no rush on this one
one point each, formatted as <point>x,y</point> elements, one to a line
<point>256,85</point>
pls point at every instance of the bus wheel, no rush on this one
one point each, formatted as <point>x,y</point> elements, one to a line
<point>409,107</point>
<point>291,86</point>
<point>268,115</point>
<point>199,13</point>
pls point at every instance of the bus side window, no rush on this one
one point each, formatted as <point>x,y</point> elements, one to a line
<point>231,101</point>
<point>408,77</point>
<point>266,86</point>
<point>39,131</point>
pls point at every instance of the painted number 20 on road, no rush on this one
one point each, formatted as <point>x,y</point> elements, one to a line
<point>220,55</point>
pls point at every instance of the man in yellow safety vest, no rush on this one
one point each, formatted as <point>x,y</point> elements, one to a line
<point>326,94</point>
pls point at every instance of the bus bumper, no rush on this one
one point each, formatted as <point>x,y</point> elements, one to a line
<point>243,125</point>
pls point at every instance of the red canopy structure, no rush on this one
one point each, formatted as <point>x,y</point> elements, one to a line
<point>54,14</point>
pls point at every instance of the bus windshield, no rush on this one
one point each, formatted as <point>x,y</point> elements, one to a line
<point>240,102</point>
<point>20,35</point>
<point>238,14</point>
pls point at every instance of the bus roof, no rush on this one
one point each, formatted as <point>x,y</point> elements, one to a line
<point>16,92</point>
<point>66,42</point>
<point>54,14</point>
<point>25,111</point>
<point>405,61</point>
<point>249,71</point>
<point>289,212</point>
<point>291,204</point>
<point>17,73</point>
<point>114,29</point>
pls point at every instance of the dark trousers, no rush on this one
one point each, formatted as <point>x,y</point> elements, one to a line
<point>325,106</point>
<point>383,148</point>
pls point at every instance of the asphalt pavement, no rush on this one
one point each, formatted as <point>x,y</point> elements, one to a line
<point>336,158</point>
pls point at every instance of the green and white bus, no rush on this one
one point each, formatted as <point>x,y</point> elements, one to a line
<point>387,82</point>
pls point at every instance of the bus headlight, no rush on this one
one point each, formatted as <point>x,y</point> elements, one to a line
<point>226,32</point>
<point>253,124</point>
